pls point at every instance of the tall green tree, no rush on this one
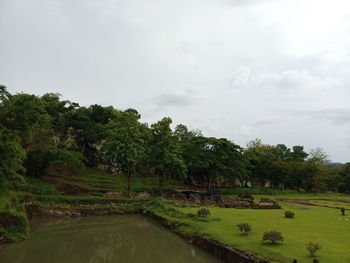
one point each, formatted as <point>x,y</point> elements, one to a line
<point>125,145</point>
<point>164,152</point>
<point>211,159</point>
<point>261,158</point>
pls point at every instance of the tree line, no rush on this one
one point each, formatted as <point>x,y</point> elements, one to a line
<point>41,132</point>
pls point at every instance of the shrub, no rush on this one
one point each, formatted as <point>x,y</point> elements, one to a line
<point>342,210</point>
<point>312,248</point>
<point>203,212</point>
<point>289,214</point>
<point>273,236</point>
<point>244,227</point>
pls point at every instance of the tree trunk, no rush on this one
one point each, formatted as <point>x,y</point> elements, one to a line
<point>160,183</point>
<point>209,182</point>
<point>129,181</point>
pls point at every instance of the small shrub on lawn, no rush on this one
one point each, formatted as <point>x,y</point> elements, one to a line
<point>289,214</point>
<point>312,248</point>
<point>244,227</point>
<point>203,212</point>
<point>273,236</point>
<point>342,210</point>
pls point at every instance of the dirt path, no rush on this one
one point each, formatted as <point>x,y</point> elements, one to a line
<point>309,203</point>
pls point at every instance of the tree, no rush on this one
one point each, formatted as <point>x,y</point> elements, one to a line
<point>319,156</point>
<point>164,152</point>
<point>211,158</point>
<point>244,227</point>
<point>124,147</point>
<point>4,94</point>
<point>298,153</point>
<point>25,115</point>
<point>282,152</point>
<point>261,158</point>
<point>273,236</point>
<point>312,248</point>
<point>12,156</point>
<point>184,134</point>
<point>86,126</point>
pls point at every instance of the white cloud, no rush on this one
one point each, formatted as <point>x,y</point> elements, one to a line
<point>278,58</point>
<point>243,77</point>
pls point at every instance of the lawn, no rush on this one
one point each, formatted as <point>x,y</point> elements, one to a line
<point>317,224</point>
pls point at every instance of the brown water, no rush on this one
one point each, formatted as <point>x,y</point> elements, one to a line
<point>114,239</point>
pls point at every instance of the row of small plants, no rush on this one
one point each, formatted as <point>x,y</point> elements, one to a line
<point>272,236</point>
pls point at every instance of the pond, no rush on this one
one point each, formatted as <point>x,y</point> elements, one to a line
<point>117,239</point>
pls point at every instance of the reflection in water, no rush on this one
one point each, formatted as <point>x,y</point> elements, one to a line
<point>119,239</point>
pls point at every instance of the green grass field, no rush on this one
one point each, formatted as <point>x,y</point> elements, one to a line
<point>311,224</point>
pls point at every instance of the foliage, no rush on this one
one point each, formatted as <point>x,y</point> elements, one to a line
<point>38,161</point>
<point>12,156</point>
<point>26,116</point>
<point>164,152</point>
<point>313,248</point>
<point>210,159</point>
<point>13,221</point>
<point>125,144</point>
<point>204,212</point>
<point>289,214</point>
<point>273,236</point>
<point>245,194</point>
<point>244,227</point>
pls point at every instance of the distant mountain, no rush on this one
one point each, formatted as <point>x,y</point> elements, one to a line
<point>334,164</point>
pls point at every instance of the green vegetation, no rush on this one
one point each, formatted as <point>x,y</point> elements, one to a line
<point>312,248</point>
<point>273,236</point>
<point>244,227</point>
<point>289,214</point>
<point>203,212</point>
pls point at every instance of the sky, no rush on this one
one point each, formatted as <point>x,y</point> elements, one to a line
<point>278,70</point>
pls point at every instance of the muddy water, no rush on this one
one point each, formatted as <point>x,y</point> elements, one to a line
<point>114,239</point>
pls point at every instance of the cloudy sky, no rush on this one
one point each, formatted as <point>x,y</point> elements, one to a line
<point>241,69</point>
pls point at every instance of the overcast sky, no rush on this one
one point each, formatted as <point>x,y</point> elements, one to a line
<point>278,70</point>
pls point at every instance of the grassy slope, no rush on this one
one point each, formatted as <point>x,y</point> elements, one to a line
<point>95,182</point>
<point>316,224</point>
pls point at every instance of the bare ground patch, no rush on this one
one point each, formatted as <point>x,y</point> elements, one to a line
<point>309,202</point>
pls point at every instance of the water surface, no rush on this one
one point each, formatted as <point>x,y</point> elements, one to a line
<point>113,239</point>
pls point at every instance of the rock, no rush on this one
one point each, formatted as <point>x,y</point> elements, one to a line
<point>113,194</point>
<point>143,196</point>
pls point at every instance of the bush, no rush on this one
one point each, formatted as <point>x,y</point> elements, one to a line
<point>273,236</point>
<point>289,214</point>
<point>244,227</point>
<point>203,212</point>
<point>312,248</point>
<point>13,222</point>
